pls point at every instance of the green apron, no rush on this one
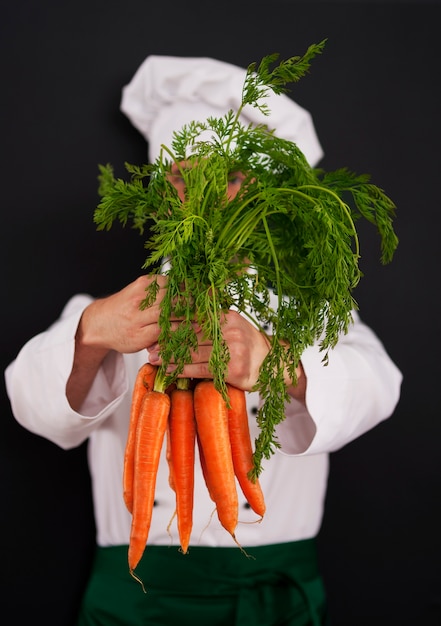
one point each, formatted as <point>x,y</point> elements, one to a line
<point>274,585</point>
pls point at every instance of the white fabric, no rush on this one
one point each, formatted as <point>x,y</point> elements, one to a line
<point>167,92</point>
<point>359,388</point>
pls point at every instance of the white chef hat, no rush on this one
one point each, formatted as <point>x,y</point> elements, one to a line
<point>168,92</point>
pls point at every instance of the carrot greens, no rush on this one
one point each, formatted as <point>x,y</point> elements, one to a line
<point>291,231</point>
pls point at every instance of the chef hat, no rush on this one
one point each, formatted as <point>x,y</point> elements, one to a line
<point>168,92</point>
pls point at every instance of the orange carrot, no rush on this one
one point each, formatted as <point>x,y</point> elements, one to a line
<point>182,452</point>
<point>144,381</point>
<point>212,426</point>
<point>150,431</point>
<point>168,456</point>
<point>171,474</point>
<point>241,449</point>
<point>203,464</point>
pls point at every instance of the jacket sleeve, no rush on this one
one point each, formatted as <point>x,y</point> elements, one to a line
<point>356,390</point>
<point>36,383</point>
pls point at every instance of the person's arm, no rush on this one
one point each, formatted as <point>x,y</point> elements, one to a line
<point>114,323</point>
<point>86,364</point>
<point>69,378</point>
<point>356,390</point>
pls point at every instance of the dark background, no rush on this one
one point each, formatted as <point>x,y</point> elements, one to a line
<point>374,95</point>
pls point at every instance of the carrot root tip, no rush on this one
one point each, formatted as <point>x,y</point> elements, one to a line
<point>133,575</point>
<point>169,527</point>
<point>255,521</point>
<point>249,556</point>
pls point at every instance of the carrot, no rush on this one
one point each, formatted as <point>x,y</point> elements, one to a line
<point>241,449</point>
<point>144,381</point>
<point>203,465</point>
<point>168,456</point>
<point>150,431</point>
<point>182,452</point>
<point>171,474</point>
<point>212,427</point>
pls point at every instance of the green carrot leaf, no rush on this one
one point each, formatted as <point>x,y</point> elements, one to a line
<point>284,252</point>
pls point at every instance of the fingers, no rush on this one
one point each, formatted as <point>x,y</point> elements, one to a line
<point>118,323</point>
<point>247,348</point>
<point>199,358</point>
<point>133,328</point>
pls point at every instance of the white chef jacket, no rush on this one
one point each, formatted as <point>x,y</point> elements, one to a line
<point>358,389</point>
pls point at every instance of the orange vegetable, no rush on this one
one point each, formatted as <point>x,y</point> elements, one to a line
<point>211,415</point>
<point>186,416</point>
<point>182,431</point>
<point>203,464</point>
<point>241,449</point>
<point>168,456</point>
<point>171,474</point>
<point>150,431</point>
<point>144,381</point>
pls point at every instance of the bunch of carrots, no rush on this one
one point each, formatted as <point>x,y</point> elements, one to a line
<point>186,415</point>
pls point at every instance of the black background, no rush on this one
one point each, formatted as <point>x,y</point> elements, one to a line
<point>374,95</point>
